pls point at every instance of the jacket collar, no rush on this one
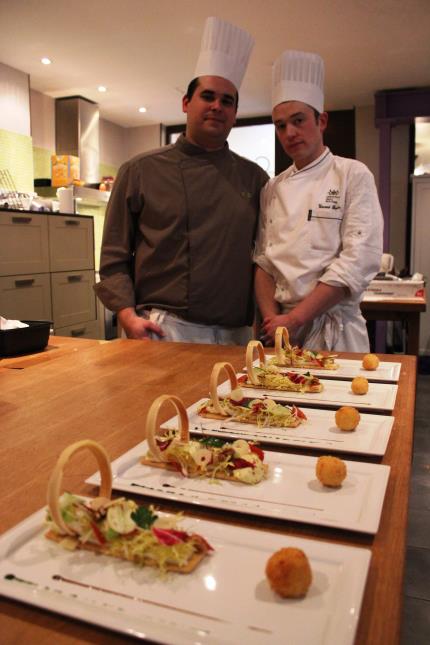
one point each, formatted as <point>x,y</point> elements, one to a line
<point>316,162</point>
<point>192,149</point>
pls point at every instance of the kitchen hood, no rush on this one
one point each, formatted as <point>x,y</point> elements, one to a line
<point>77,134</point>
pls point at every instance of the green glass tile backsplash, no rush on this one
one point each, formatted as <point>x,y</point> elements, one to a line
<point>16,155</point>
<point>42,162</point>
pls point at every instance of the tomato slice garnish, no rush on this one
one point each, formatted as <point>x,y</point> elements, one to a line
<point>98,534</point>
<point>257,451</point>
<point>298,413</point>
<point>242,463</point>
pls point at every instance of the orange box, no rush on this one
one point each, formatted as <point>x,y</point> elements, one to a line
<point>64,169</point>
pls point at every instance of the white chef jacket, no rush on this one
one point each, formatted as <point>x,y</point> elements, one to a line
<point>322,223</point>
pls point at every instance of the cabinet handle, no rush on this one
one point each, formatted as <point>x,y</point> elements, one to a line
<point>78,332</point>
<point>27,282</point>
<point>74,278</point>
<point>16,219</point>
<point>72,222</point>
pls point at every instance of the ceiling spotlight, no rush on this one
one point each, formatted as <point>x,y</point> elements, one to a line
<point>102,88</point>
<point>142,109</point>
<point>46,61</point>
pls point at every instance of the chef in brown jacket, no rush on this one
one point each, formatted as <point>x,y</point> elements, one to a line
<point>176,261</point>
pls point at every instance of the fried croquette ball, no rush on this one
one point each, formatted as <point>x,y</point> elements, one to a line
<point>370,362</point>
<point>347,418</point>
<point>289,573</point>
<point>360,385</point>
<point>330,471</point>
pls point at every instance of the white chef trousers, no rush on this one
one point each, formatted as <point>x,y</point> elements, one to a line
<point>181,331</point>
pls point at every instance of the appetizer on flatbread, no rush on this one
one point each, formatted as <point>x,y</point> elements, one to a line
<point>268,376</point>
<point>289,356</point>
<point>118,528</point>
<point>239,461</point>
<point>264,413</point>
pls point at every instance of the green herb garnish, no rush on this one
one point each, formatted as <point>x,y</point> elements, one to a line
<point>111,534</point>
<point>212,442</point>
<point>144,517</point>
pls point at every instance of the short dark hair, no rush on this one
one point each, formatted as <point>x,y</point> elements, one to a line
<point>317,114</point>
<point>193,85</point>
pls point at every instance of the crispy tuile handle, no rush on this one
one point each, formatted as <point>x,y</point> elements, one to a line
<point>252,345</point>
<point>152,424</point>
<point>55,481</point>
<point>213,384</point>
<point>281,337</point>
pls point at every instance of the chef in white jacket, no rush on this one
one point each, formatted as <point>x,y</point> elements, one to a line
<point>320,237</point>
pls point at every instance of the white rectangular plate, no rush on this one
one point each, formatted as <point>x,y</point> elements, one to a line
<point>182,609</point>
<point>291,491</point>
<point>318,431</point>
<point>381,396</point>
<point>348,369</point>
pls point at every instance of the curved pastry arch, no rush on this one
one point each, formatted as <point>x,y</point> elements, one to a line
<point>55,481</point>
<point>152,426</point>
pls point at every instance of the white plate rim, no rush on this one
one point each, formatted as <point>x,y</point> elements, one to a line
<point>343,620</point>
<point>349,368</point>
<point>369,517</point>
<point>361,402</point>
<point>266,436</point>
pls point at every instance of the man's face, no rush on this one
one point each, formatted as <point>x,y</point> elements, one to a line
<point>211,112</point>
<point>299,132</point>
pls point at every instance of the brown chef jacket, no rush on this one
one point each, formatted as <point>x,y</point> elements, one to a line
<point>179,232</point>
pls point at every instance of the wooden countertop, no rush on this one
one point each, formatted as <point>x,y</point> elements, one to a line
<point>57,346</point>
<point>394,304</point>
<point>103,393</point>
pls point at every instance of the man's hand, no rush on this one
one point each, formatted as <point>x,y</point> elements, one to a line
<point>136,327</point>
<point>270,323</point>
<point>321,299</point>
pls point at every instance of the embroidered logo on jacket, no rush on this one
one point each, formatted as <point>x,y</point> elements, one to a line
<point>331,200</point>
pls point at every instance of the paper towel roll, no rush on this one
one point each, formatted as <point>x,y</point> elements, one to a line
<point>65,198</point>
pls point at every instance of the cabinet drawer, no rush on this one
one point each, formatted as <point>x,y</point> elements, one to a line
<point>71,243</point>
<point>23,243</point>
<point>73,297</point>
<point>82,330</point>
<point>26,297</point>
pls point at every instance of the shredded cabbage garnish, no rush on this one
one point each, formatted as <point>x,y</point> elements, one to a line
<point>139,545</point>
<point>278,381</point>
<point>145,546</point>
<point>264,413</point>
<point>196,459</point>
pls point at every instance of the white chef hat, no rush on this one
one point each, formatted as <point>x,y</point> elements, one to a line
<point>298,76</point>
<point>225,51</point>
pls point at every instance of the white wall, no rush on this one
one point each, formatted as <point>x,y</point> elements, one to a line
<point>142,139</point>
<point>14,100</point>
<point>42,120</point>
<point>113,146</point>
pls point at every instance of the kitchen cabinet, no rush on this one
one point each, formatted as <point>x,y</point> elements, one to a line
<point>26,297</point>
<point>71,243</point>
<point>47,270</point>
<point>23,243</point>
<point>73,299</point>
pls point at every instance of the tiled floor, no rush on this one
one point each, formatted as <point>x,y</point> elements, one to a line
<point>416,614</point>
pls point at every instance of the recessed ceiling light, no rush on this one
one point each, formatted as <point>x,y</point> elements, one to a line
<point>142,109</point>
<point>46,61</point>
<point>102,88</point>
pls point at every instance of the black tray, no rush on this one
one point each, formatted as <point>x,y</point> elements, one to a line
<point>25,340</point>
